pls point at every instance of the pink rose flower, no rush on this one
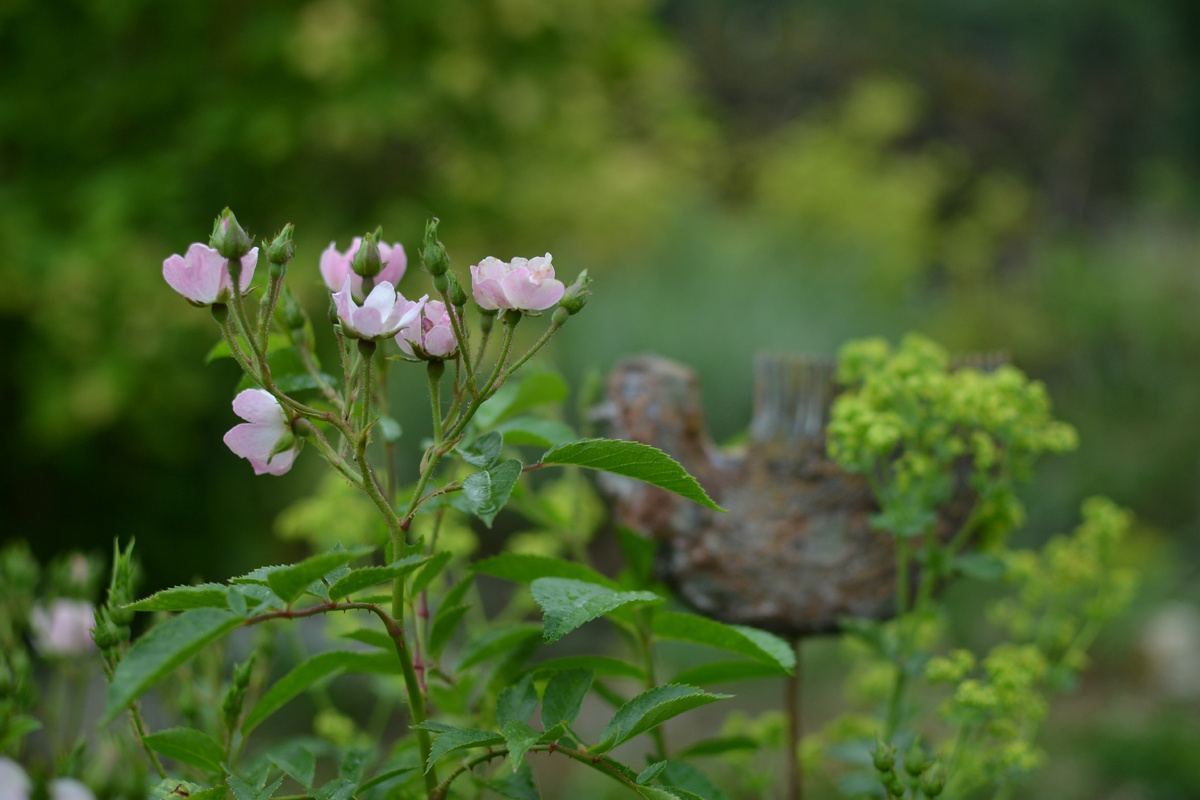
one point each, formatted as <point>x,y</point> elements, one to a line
<point>335,266</point>
<point>64,630</point>
<point>14,783</point>
<point>202,275</point>
<point>430,335</point>
<point>523,284</point>
<point>69,789</point>
<point>258,439</point>
<point>381,316</point>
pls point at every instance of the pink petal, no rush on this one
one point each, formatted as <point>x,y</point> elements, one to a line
<point>212,272</point>
<point>253,443</point>
<point>440,341</point>
<point>282,462</point>
<point>249,262</point>
<point>523,291</point>
<point>259,407</point>
<point>489,294</point>
<point>335,268</point>
<point>344,303</point>
<point>182,279</point>
<point>395,263</point>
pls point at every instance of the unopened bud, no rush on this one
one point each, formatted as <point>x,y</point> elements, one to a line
<point>230,240</point>
<point>282,248</point>
<point>560,316</point>
<point>235,695</point>
<point>894,785</point>
<point>883,756</point>
<point>458,295</point>
<point>575,297</point>
<point>367,261</point>
<point>915,760</point>
<point>433,253</point>
<point>934,779</point>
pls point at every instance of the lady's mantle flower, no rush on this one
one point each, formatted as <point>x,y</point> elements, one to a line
<point>265,438</point>
<point>64,630</point>
<point>382,315</point>
<point>335,266</point>
<point>523,284</point>
<point>430,335</point>
<point>202,275</point>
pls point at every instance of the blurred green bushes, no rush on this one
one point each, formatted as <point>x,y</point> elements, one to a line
<point>738,176</point>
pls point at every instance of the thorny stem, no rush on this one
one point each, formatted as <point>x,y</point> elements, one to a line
<point>600,763</point>
<point>267,310</point>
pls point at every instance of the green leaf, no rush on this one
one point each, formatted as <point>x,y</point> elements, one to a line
<point>524,568</point>
<point>649,710</point>
<point>444,624</point>
<point>487,491</point>
<point>981,566</point>
<point>495,642</point>
<point>188,746</point>
<point>484,452</point>
<point>568,603</point>
<point>632,460</point>
<point>386,776</point>
<point>519,737</point>
<point>290,582</point>
<point>336,789</point>
<point>717,746</point>
<point>740,639</point>
<point>358,579</point>
<point>460,739</point>
<point>431,570</point>
<point>183,598</point>
<point>215,793</point>
<point>639,553</point>
<point>651,772</point>
<point>723,671</point>
<point>300,678</point>
<point>535,389</point>
<point>18,727</point>
<point>668,793</point>
<point>536,431</point>
<point>604,666</point>
<point>678,775</point>
<point>518,786</point>
<point>288,373</point>
<point>244,790</point>
<point>275,341</point>
<point>372,637</point>
<point>516,702</point>
<point>297,761</point>
<point>161,650</point>
<point>236,600</point>
<point>563,697</point>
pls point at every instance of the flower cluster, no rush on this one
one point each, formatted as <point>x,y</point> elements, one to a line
<point>363,284</point>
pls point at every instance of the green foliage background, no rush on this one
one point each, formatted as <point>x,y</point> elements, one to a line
<point>736,175</point>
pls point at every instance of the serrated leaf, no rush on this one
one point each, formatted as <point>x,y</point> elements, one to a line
<point>184,598</point>
<point>603,666</point>
<point>365,577</point>
<point>444,625</point>
<point>740,639</point>
<point>244,790</point>
<point>651,772</point>
<point>235,598</point>
<point>354,763</point>
<point>336,789</point>
<point>724,671</point>
<point>484,452</point>
<point>289,582</point>
<point>429,571</point>
<point>632,460</point>
<point>372,637</point>
<point>297,761</point>
<point>567,603</point>
<point>460,739</point>
<point>300,678</point>
<point>487,491</point>
<point>161,650</point>
<point>215,793</point>
<point>536,431</point>
<point>526,568</point>
<point>18,727</point>
<point>495,642</point>
<point>564,694</point>
<point>516,702</point>
<point>649,710</point>
<point>535,389</point>
<point>717,746</point>
<point>188,746</point>
<point>518,737</point>
<point>386,776</point>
